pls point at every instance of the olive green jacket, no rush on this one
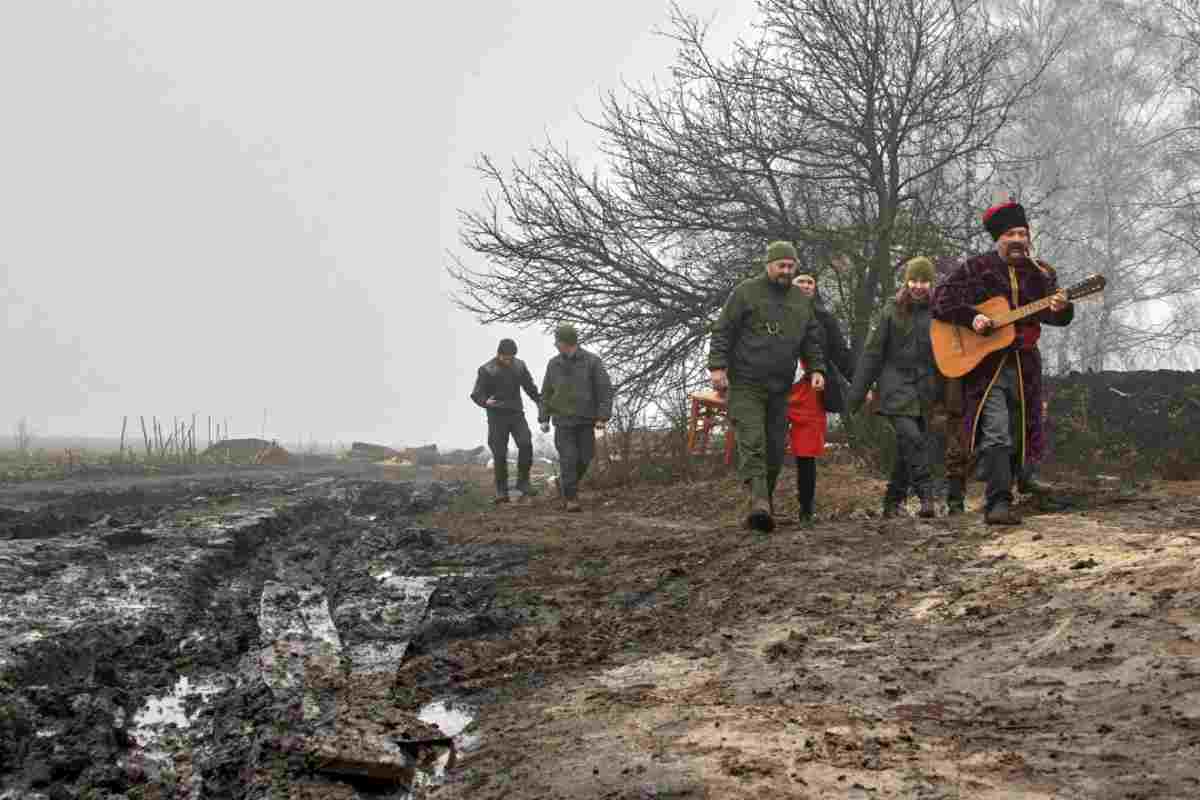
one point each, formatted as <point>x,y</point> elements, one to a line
<point>899,355</point>
<point>761,333</point>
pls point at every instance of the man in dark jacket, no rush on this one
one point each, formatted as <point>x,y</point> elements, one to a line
<point>578,395</point>
<point>765,327</point>
<point>899,356</point>
<point>1002,396</point>
<point>498,385</point>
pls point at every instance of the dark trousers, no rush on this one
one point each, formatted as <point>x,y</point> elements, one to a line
<point>911,467</point>
<point>576,444</point>
<point>760,427</point>
<point>1000,434</point>
<point>501,425</point>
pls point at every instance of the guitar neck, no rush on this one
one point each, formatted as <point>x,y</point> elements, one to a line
<point>1021,312</point>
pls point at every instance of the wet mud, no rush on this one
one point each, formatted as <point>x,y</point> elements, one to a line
<point>308,635</point>
<point>228,638</point>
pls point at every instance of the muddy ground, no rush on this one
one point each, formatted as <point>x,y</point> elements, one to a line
<point>304,634</point>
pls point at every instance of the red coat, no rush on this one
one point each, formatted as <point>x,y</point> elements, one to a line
<point>806,415</point>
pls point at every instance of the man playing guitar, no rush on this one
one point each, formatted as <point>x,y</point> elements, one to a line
<point>1002,395</point>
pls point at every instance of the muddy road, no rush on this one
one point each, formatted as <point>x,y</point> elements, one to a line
<point>339,635</point>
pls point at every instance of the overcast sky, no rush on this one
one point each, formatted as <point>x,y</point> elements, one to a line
<point>226,207</point>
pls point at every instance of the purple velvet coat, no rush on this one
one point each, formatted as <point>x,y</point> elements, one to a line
<point>980,278</point>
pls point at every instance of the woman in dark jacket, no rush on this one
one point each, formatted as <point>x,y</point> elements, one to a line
<point>807,408</point>
<point>899,355</point>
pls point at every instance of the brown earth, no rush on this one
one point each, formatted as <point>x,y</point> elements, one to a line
<point>649,647</point>
<point>670,653</point>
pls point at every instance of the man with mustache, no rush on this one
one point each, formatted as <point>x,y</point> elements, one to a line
<point>1002,396</point>
<point>765,327</point>
<point>899,356</point>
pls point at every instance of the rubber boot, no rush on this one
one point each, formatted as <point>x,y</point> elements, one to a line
<point>999,488</point>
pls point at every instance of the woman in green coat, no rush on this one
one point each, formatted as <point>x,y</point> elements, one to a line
<point>899,358</point>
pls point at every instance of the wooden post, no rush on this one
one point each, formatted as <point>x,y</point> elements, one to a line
<point>145,435</point>
<point>124,422</point>
<point>210,430</point>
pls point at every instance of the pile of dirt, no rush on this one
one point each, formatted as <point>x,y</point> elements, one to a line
<point>1144,421</point>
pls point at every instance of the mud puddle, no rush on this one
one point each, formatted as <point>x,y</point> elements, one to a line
<point>233,641</point>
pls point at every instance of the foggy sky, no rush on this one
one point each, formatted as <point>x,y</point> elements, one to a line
<point>227,207</point>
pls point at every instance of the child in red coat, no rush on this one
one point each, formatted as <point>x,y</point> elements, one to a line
<point>807,407</point>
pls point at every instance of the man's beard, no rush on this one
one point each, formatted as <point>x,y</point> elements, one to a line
<point>782,280</point>
<point>1015,253</point>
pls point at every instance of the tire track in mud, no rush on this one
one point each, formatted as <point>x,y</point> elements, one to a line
<point>230,642</point>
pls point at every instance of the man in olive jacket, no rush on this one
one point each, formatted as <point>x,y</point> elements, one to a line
<point>498,385</point>
<point>578,395</point>
<point>764,328</point>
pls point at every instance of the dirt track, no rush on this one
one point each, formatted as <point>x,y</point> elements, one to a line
<point>645,648</point>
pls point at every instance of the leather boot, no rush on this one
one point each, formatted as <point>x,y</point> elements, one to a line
<point>928,510</point>
<point>955,497</point>
<point>999,488</point>
<point>760,518</point>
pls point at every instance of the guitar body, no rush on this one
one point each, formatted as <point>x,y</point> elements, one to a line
<point>958,350</point>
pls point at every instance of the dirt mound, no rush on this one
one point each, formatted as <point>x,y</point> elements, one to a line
<point>1145,421</point>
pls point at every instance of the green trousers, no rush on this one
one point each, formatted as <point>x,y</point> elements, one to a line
<point>760,426</point>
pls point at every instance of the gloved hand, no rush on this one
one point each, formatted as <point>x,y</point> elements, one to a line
<point>545,426</point>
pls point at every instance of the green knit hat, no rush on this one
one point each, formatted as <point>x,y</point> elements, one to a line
<point>566,334</point>
<point>778,250</point>
<point>919,269</point>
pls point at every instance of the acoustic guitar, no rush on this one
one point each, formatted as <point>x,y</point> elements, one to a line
<point>958,350</point>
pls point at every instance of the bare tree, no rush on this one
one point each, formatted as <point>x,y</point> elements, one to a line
<point>849,126</point>
<point>1099,156</point>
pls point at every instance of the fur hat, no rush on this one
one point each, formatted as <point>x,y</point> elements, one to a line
<point>778,250</point>
<point>1000,218</point>
<point>919,269</point>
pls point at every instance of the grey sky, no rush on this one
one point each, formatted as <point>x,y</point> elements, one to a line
<point>228,207</point>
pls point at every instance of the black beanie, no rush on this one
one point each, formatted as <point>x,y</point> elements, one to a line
<point>507,347</point>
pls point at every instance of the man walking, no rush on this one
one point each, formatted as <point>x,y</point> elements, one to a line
<point>765,327</point>
<point>577,394</point>
<point>1003,395</point>
<point>498,385</point>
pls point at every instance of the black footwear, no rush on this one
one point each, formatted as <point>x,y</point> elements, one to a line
<point>760,518</point>
<point>527,490</point>
<point>1002,514</point>
<point>500,499</point>
<point>805,519</point>
<point>955,494</point>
